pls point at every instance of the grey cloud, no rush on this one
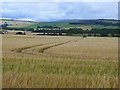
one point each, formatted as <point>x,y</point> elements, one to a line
<point>58,11</point>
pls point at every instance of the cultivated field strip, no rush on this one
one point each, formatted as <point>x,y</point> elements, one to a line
<point>59,62</point>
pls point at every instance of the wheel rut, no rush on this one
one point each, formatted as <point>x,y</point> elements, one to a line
<point>48,47</point>
<point>20,50</point>
<point>40,48</point>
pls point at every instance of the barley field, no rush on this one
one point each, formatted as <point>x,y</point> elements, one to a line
<point>32,61</point>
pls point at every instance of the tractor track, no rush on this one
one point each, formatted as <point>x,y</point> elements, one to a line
<point>20,50</point>
<point>40,50</point>
<point>46,48</point>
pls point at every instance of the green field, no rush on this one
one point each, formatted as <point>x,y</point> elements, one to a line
<point>62,24</point>
<point>67,25</point>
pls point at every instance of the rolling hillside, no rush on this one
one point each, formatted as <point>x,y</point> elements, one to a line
<point>66,24</point>
<point>84,24</point>
<point>17,23</point>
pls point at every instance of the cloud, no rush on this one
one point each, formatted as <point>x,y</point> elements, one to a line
<point>61,10</point>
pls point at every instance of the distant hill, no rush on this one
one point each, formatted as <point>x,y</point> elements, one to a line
<point>95,27</point>
<point>69,23</point>
<point>84,24</point>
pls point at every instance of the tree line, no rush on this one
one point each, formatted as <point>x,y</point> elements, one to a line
<point>93,32</point>
<point>96,22</point>
<point>104,32</point>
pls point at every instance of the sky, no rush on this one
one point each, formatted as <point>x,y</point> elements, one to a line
<point>60,0</point>
<point>54,11</point>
